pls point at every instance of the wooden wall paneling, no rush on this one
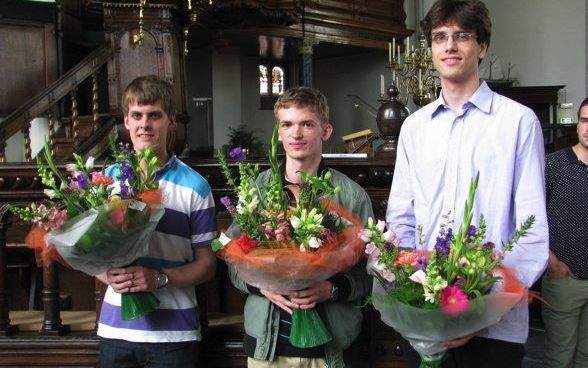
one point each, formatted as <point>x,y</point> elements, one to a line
<point>28,55</point>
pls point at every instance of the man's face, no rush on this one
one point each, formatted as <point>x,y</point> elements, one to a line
<point>583,127</point>
<point>456,60</point>
<point>148,126</point>
<point>302,132</point>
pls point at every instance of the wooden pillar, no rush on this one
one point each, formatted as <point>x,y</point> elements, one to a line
<point>50,297</point>
<point>5,327</point>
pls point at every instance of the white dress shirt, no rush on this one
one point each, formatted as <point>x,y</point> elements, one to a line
<point>440,151</point>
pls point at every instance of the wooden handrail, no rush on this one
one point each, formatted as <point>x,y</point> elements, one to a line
<point>51,95</point>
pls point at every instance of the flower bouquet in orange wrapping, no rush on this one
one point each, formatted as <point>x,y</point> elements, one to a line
<point>92,223</point>
<point>457,289</point>
<point>277,246</point>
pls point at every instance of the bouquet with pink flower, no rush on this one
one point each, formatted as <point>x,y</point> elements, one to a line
<point>92,222</point>
<point>275,245</point>
<point>458,288</point>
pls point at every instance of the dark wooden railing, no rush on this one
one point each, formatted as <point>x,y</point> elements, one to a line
<point>50,101</point>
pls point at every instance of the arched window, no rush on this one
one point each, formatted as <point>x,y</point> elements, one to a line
<point>272,83</point>
<point>277,80</point>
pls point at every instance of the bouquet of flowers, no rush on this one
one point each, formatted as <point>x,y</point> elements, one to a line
<point>92,223</point>
<point>276,247</point>
<point>458,288</point>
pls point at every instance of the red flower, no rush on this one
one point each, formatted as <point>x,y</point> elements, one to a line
<point>408,258</point>
<point>99,179</point>
<point>247,244</point>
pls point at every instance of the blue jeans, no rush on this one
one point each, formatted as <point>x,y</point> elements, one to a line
<point>126,354</point>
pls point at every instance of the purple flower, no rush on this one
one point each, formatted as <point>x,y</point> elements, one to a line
<point>126,172</point>
<point>124,191</point>
<point>471,233</point>
<point>389,286</point>
<point>79,181</point>
<point>444,241</point>
<point>237,154</point>
<point>422,262</point>
<point>226,201</point>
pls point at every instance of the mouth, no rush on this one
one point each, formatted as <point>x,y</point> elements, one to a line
<point>451,60</point>
<point>297,145</point>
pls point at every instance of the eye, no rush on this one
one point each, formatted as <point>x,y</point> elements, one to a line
<point>440,37</point>
<point>136,115</point>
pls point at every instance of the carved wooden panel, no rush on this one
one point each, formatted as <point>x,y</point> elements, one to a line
<point>28,55</point>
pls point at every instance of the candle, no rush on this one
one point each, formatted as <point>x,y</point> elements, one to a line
<point>393,44</point>
<point>382,84</point>
<point>407,43</point>
<point>420,81</point>
<point>399,54</point>
<point>394,76</point>
<point>389,53</point>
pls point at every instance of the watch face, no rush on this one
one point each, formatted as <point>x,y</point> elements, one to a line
<point>161,280</point>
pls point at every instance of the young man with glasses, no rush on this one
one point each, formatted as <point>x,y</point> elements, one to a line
<point>470,129</point>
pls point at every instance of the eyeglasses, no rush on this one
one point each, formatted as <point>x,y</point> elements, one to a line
<point>442,37</point>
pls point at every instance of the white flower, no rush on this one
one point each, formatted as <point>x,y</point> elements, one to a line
<point>381,225</point>
<point>302,247</point>
<point>429,297</point>
<point>389,236</point>
<point>295,221</point>
<point>370,248</point>
<point>388,275</point>
<point>49,193</point>
<point>313,242</point>
<point>419,277</point>
<point>240,209</point>
<point>71,167</point>
<point>90,162</point>
<point>365,235</point>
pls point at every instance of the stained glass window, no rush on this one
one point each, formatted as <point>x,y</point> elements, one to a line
<point>263,80</point>
<point>277,80</point>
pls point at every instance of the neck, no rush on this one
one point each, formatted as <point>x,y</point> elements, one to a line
<point>581,152</point>
<point>294,167</point>
<point>457,94</point>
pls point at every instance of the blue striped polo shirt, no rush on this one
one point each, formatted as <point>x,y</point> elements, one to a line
<point>189,222</point>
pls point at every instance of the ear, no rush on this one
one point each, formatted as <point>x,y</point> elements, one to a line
<point>327,131</point>
<point>126,119</point>
<point>483,50</point>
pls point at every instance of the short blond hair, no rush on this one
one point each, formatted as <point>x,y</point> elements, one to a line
<point>304,97</point>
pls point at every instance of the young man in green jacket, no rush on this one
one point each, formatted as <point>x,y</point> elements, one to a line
<point>303,116</point>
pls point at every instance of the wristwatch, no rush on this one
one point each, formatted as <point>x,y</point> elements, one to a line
<point>161,279</point>
<point>334,293</point>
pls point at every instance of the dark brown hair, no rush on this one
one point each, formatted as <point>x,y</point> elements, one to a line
<point>148,90</point>
<point>584,103</point>
<point>304,97</point>
<point>470,15</point>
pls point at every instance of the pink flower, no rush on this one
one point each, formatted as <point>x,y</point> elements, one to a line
<point>454,301</point>
<point>55,219</point>
<point>408,258</point>
<point>117,216</point>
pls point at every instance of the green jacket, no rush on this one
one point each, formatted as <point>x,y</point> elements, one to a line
<point>342,318</point>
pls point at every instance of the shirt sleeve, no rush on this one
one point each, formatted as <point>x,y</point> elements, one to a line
<point>203,220</point>
<point>400,212</point>
<point>529,257</point>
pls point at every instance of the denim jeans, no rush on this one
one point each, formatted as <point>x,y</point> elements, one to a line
<point>126,354</point>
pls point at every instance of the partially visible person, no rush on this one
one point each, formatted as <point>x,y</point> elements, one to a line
<point>565,285</point>
<point>179,251</point>
<point>303,117</point>
<point>470,129</point>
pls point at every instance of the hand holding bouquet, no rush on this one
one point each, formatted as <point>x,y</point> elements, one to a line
<point>458,288</point>
<point>278,247</point>
<point>92,223</point>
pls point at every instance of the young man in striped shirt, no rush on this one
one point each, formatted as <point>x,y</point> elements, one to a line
<point>179,250</point>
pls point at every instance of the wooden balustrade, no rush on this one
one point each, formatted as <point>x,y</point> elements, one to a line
<point>5,327</point>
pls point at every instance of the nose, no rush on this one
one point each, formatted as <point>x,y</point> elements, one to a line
<point>450,44</point>
<point>297,130</point>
